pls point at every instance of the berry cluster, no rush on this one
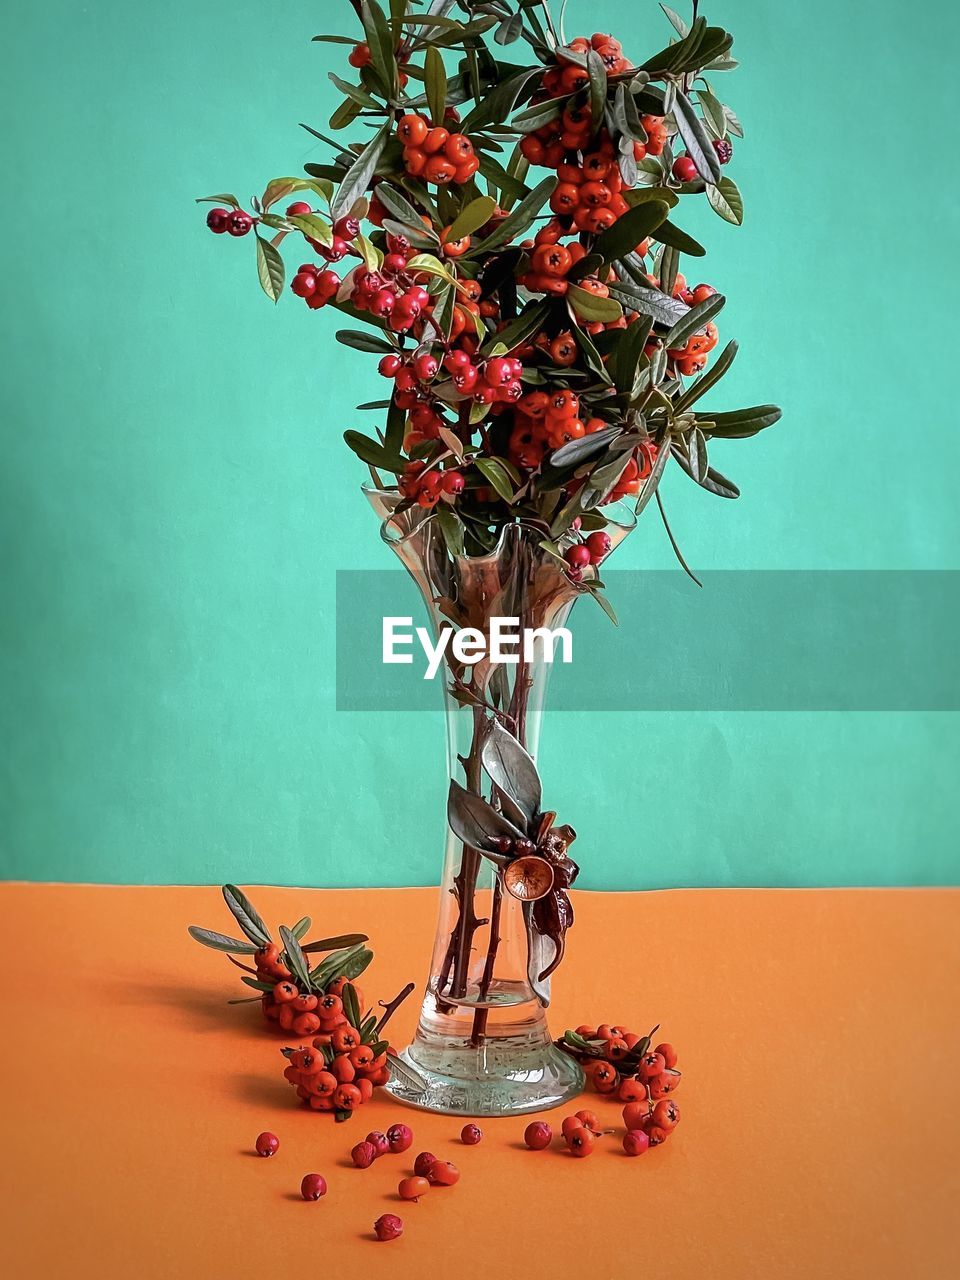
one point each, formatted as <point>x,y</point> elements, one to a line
<point>684,169</point>
<point>236,222</point>
<point>617,1061</point>
<point>434,153</point>
<point>345,1061</point>
<point>427,485</point>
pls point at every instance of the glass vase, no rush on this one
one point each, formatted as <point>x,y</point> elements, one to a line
<point>482,1045</point>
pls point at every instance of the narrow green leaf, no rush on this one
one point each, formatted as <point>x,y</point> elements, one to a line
<point>699,147</point>
<point>693,321</point>
<point>520,219</point>
<point>708,379</point>
<point>373,453</point>
<point>677,238</point>
<point>314,227</point>
<point>295,956</point>
<point>726,199</point>
<point>357,180</point>
<point>256,983</point>
<point>269,269</point>
<point>675,20</point>
<point>224,199</point>
<point>359,97</point>
<point>472,217</point>
<point>631,229</point>
<point>740,423</point>
<point>246,916</point>
<point>451,528</point>
<point>493,470</point>
<point>588,306</point>
<point>301,927</point>
<point>220,941</point>
<point>364,342</point>
<point>436,84</point>
<point>598,88</point>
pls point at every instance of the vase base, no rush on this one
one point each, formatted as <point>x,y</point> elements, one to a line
<point>492,1080</point>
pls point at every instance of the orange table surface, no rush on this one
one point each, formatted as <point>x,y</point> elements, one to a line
<point>818,1034</point>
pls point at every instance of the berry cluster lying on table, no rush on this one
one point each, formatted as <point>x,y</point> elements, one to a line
<point>620,1063</point>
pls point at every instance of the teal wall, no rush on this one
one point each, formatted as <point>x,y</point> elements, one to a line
<point>177,499</point>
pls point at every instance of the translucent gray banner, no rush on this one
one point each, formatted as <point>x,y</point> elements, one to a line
<point>747,641</point>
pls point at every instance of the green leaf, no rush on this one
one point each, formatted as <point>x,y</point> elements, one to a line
<point>295,956</point>
<point>332,944</point>
<point>220,941</point>
<point>436,84</point>
<point>578,451</point>
<point>588,306</point>
<point>225,199</point>
<point>676,21</point>
<point>520,219</point>
<point>511,188</point>
<point>628,353</point>
<point>511,768</point>
<point>720,485</point>
<point>699,147</point>
<point>358,177</point>
<point>431,266</point>
<point>740,423</point>
<point>726,199</point>
<point>364,342</point>
<point>653,479</point>
<point>381,43</point>
<point>708,379</point>
<point>713,112</point>
<point>313,226</point>
<point>301,927</point>
<point>470,219</point>
<point>694,320</point>
<point>269,269</point>
<point>359,97</point>
<point>345,114</point>
<point>278,188</point>
<point>510,29</point>
<point>603,602</point>
<point>733,124</point>
<point>245,915</point>
<point>257,984</point>
<point>351,1005</point>
<point>598,88</point>
<point>540,114</point>
<point>668,233</point>
<point>493,470</point>
<point>648,301</point>
<point>373,453</point>
<point>399,206</point>
<point>499,102</point>
<point>451,528</point>
<point>631,229</point>
<point>527,323</point>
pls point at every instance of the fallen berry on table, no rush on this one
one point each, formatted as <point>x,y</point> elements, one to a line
<point>388,1227</point>
<point>424,1163</point>
<point>570,1125</point>
<point>589,1120</point>
<point>413,1188</point>
<point>635,1142</point>
<point>379,1141</point>
<point>313,1186</point>
<point>267,1144</point>
<point>399,1138</point>
<point>538,1135</point>
<point>634,1114</point>
<point>580,1142</point>
<point>363,1155</point>
<point>470,1135</point>
<point>443,1173</point>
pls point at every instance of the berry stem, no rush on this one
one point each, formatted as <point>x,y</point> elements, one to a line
<point>390,1008</point>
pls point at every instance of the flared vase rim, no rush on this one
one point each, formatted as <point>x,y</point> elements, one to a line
<point>620,514</point>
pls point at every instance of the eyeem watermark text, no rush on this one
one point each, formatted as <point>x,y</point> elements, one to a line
<point>506,642</point>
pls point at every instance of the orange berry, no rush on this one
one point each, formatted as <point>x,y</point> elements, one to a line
<point>413,1188</point>
<point>412,130</point>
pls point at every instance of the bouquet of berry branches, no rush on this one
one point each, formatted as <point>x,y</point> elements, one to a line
<point>507,230</point>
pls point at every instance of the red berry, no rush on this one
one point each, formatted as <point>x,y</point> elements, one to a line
<point>363,1155</point>
<point>598,544</point>
<point>390,366</point>
<point>443,1173</point>
<point>313,1186</point>
<point>538,1135</point>
<point>498,372</point>
<point>578,557</point>
<point>724,150</point>
<point>217,220</point>
<point>297,209</point>
<point>650,1066</point>
<point>383,303</point>
<point>303,284</point>
<point>388,1227</point>
<point>580,1142</point>
<point>635,1142</point>
<point>347,228</point>
<point>425,366</point>
<point>239,223</point>
<point>684,170</point>
<point>453,483</point>
<point>666,1051</point>
<point>399,1138</point>
<point>379,1141</point>
<point>470,1135</point>
<point>424,1163</point>
<point>360,55</point>
<point>267,1144</point>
